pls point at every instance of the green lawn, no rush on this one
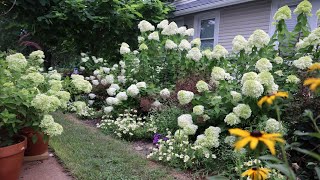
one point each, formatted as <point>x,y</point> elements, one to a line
<point>89,154</point>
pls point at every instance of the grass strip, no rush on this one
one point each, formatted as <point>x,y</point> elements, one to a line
<point>89,154</point>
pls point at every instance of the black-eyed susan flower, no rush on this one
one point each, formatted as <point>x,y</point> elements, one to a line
<point>313,67</point>
<point>254,138</point>
<point>314,83</point>
<point>256,173</point>
<point>271,98</point>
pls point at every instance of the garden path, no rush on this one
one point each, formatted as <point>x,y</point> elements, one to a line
<point>49,169</point>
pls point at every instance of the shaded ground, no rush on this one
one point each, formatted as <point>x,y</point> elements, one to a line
<point>48,169</point>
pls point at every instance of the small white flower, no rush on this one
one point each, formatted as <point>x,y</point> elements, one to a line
<point>165,93</point>
<point>92,96</point>
<point>95,82</point>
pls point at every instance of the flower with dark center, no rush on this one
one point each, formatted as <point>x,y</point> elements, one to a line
<point>256,173</point>
<point>254,138</point>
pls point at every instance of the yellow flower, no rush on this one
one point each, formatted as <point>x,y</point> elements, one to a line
<point>254,138</point>
<point>256,173</point>
<point>271,98</point>
<point>313,82</point>
<point>314,66</point>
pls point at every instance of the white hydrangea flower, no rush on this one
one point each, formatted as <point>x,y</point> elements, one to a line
<point>111,91</point>
<point>90,102</point>
<point>182,30</point>
<point>96,72</point>
<point>109,78</point>
<point>279,73</point>
<point>140,39</point>
<point>184,45</point>
<point>95,82</point>
<point>202,86</point>
<point>236,97</point>
<point>190,129</point>
<point>165,93</point>
<point>218,74</point>
<point>292,79</point>
<point>103,82</point>
<point>16,62</point>
<point>283,13</point>
<point>170,44</point>
<point>304,7</point>
<point>232,119</point>
<point>196,42</point>
<point>171,29</point>
<point>273,126</point>
<point>185,97</point>
<point>156,104</point>
<point>242,110</point>
<point>143,46</point>
<point>194,54</point>
<point>265,78</point>
<point>180,135</point>
<point>133,91</point>
<point>124,49</point>
<point>92,96</point>
<point>141,85</point>
<point>272,88</point>
<point>108,109</point>
<point>145,26</point>
<point>189,32</point>
<point>252,88</point>
<point>163,24</point>
<point>230,140</point>
<point>303,62</point>
<point>219,52</point>
<point>135,52</point>
<point>184,120</point>
<point>278,60</point>
<point>198,110</point>
<point>106,70</point>
<point>112,101</point>
<point>122,96</point>
<point>82,68</point>
<point>239,43</point>
<point>122,79</point>
<point>208,54</point>
<point>263,65</point>
<point>115,86</point>
<point>259,39</point>
<point>249,76</point>
<point>154,36</point>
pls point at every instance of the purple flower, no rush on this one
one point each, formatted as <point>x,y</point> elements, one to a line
<point>157,137</point>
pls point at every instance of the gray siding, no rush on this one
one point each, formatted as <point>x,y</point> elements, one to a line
<point>243,19</point>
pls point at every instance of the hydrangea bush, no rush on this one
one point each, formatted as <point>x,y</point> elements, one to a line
<point>258,69</point>
<point>28,96</point>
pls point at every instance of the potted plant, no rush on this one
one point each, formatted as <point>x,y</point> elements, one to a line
<point>29,96</point>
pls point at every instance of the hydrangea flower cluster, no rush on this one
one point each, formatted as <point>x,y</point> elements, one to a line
<point>292,79</point>
<point>210,138</point>
<point>165,93</point>
<point>80,84</point>
<point>303,62</point>
<point>236,97</point>
<point>202,86</point>
<point>45,103</point>
<point>273,126</point>
<point>16,62</point>
<point>219,52</point>
<point>283,13</point>
<point>258,39</point>
<point>252,88</point>
<point>304,7</point>
<point>185,97</point>
<point>198,110</point>
<point>194,54</point>
<point>239,43</point>
<point>263,65</point>
<point>145,26</point>
<point>50,127</point>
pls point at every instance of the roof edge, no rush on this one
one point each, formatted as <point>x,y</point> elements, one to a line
<point>209,7</point>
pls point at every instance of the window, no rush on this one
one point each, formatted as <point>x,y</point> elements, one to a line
<point>206,26</point>
<point>207,33</point>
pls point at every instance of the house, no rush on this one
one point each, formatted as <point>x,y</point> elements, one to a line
<point>219,21</point>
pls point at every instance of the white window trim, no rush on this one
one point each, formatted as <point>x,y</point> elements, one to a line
<point>276,4</point>
<point>203,16</point>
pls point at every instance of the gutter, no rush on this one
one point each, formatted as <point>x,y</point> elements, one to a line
<point>209,6</point>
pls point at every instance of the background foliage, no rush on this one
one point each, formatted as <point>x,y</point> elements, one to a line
<point>65,28</point>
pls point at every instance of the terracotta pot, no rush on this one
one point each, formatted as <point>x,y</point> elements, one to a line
<point>11,158</point>
<point>37,148</point>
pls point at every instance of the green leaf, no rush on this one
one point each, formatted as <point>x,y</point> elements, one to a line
<point>270,158</point>
<point>310,153</point>
<point>299,133</point>
<point>317,169</point>
<point>284,169</point>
